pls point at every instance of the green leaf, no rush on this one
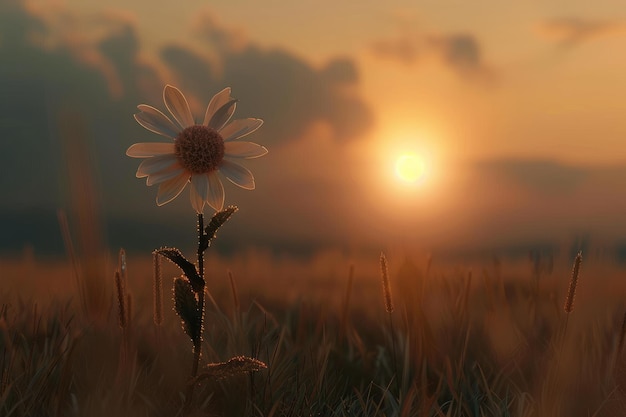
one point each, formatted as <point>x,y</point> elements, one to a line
<point>189,269</point>
<point>187,308</point>
<point>215,223</point>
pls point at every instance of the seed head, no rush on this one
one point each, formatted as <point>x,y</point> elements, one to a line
<point>386,286</point>
<point>569,301</point>
<point>200,149</point>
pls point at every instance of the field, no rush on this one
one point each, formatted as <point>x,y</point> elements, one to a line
<point>490,339</point>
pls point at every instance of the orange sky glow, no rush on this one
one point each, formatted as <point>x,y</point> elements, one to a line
<point>517,109</point>
<point>548,82</point>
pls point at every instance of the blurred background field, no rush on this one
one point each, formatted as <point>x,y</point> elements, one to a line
<point>470,339</point>
<point>322,277</point>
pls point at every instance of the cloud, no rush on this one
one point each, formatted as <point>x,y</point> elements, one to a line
<point>509,200</point>
<point>17,28</point>
<point>206,26</point>
<point>402,48</point>
<point>572,31</point>
<point>288,93</point>
<point>49,70</point>
<point>460,52</point>
<point>55,63</point>
<point>340,71</point>
<point>537,175</point>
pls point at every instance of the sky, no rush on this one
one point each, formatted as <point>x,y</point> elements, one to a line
<point>515,111</point>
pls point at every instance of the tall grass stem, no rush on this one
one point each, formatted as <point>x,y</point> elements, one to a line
<point>389,309</point>
<point>121,299</point>
<point>346,305</point>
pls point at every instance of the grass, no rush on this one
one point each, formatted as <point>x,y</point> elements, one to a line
<point>485,341</point>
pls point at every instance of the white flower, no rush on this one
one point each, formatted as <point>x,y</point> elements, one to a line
<point>198,151</point>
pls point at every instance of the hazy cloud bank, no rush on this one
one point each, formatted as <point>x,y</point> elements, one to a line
<point>53,61</point>
<point>68,94</point>
<point>573,31</point>
<point>460,52</point>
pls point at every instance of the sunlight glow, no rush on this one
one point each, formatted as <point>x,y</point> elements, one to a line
<point>408,174</point>
<point>410,168</point>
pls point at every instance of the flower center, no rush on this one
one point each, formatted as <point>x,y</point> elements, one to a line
<point>200,149</point>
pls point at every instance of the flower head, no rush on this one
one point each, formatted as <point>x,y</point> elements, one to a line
<point>198,151</point>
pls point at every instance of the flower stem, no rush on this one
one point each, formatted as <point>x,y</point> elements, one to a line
<point>197,347</point>
<point>200,240</point>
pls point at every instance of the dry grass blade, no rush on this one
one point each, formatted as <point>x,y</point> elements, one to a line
<point>129,313</point>
<point>71,252</point>
<point>346,304</point>
<point>76,142</point>
<point>233,288</point>
<point>620,345</point>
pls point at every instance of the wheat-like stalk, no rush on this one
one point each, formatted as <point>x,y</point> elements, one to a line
<point>121,302</point>
<point>429,263</point>
<point>233,288</point>
<point>569,301</point>
<point>346,303</point>
<point>71,252</point>
<point>129,313</point>
<point>569,306</point>
<point>386,287</point>
<point>389,308</point>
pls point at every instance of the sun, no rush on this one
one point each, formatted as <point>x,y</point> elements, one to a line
<point>410,168</point>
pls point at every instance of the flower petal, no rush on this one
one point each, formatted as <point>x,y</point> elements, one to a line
<point>155,121</point>
<point>245,150</point>
<point>155,164</point>
<point>199,191</point>
<point>167,174</point>
<point>177,104</point>
<point>170,189</point>
<point>223,115</point>
<point>216,191</point>
<point>197,202</point>
<point>146,150</point>
<point>216,102</point>
<point>237,174</point>
<point>240,128</point>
